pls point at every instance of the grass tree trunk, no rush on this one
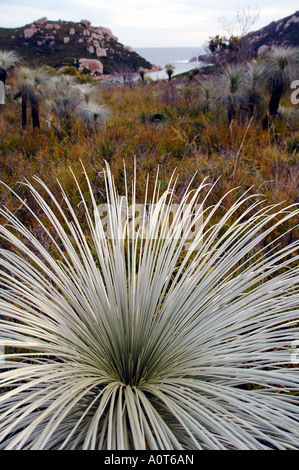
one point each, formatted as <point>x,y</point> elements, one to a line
<point>231,112</point>
<point>276,95</point>
<point>251,106</point>
<point>35,116</point>
<point>24,111</point>
<point>141,73</point>
<point>3,75</point>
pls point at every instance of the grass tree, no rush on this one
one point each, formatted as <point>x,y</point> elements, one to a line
<point>254,82</point>
<point>141,72</point>
<point>86,105</point>
<point>169,69</point>
<point>207,93</point>
<point>231,82</point>
<point>157,337</point>
<point>8,60</point>
<point>23,86</point>
<point>33,85</point>
<point>92,114</point>
<point>65,95</point>
<point>85,93</point>
<point>282,64</point>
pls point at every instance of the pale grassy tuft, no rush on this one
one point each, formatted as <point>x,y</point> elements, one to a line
<point>134,342</point>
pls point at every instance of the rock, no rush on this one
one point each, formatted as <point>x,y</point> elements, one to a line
<point>90,49</point>
<point>129,48</point>
<point>263,49</point>
<point>49,26</point>
<point>86,23</point>
<point>42,20</point>
<point>86,32</point>
<point>72,31</point>
<point>101,30</point>
<point>193,59</point>
<point>278,26</point>
<point>100,52</point>
<point>94,65</point>
<point>66,39</point>
<point>29,32</point>
<point>293,19</point>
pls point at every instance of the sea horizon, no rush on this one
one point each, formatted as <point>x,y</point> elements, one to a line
<point>182,58</point>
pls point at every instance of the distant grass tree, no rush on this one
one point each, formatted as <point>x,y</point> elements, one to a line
<point>254,82</point>
<point>132,341</point>
<point>169,69</point>
<point>85,93</point>
<point>141,72</point>
<point>281,67</point>
<point>22,85</point>
<point>231,84</point>
<point>207,93</point>
<point>86,105</point>
<point>65,96</point>
<point>8,60</point>
<point>34,85</point>
<point>92,114</point>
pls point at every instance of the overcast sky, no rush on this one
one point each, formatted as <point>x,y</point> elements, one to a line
<point>146,23</point>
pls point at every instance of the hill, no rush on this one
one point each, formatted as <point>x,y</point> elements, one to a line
<point>58,43</point>
<point>284,32</point>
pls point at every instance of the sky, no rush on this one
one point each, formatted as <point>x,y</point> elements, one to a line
<point>147,23</point>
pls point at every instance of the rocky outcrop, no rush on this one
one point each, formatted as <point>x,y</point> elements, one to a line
<point>30,31</point>
<point>100,52</point>
<point>94,65</point>
<point>41,21</point>
<point>101,31</point>
<point>284,32</point>
<point>86,23</point>
<point>94,34</point>
<point>60,43</point>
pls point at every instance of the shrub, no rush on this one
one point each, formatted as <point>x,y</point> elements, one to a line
<point>135,341</point>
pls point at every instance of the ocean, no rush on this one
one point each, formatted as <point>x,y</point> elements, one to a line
<point>179,57</point>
